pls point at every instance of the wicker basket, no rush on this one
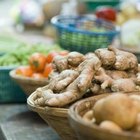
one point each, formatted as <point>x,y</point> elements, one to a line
<point>73,36</point>
<point>29,85</point>
<point>10,92</point>
<point>88,131</point>
<point>57,118</point>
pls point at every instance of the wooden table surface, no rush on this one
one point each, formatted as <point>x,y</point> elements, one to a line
<point>18,123</point>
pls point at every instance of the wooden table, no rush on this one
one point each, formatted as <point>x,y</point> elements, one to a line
<point>18,123</point>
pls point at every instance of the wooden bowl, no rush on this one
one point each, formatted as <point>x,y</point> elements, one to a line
<point>88,131</point>
<point>29,85</point>
<point>57,118</point>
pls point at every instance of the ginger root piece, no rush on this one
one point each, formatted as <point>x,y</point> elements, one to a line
<point>75,58</point>
<point>131,74</point>
<point>61,81</point>
<point>74,90</point>
<point>107,57</point>
<point>53,74</point>
<point>118,108</point>
<point>60,63</point>
<point>115,74</point>
<point>125,85</point>
<point>90,55</point>
<point>138,78</point>
<point>56,84</point>
<point>110,126</point>
<point>101,76</point>
<point>72,60</point>
<point>96,89</point>
<point>115,81</point>
<point>124,60</point>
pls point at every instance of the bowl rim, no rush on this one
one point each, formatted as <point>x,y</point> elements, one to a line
<point>55,111</point>
<point>78,119</point>
<point>55,22</point>
<point>7,67</point>
<point>13,75</point>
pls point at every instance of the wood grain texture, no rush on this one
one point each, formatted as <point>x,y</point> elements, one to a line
<point>18,123</point>
<point>9,110</point>
<point>25,131</point>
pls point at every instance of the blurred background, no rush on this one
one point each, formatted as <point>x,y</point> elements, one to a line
<point>32,17</point>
